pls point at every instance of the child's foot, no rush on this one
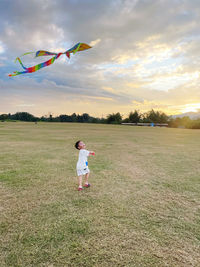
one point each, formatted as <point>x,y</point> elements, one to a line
<point>87,185</point>
<point>80,189</point>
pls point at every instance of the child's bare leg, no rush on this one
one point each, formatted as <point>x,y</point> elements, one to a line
<point>80,178</point>
<point>86,177</point>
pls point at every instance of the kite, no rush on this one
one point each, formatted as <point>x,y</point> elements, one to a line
<point>76,48</point>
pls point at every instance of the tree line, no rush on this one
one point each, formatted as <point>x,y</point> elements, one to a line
<point>114,118</point>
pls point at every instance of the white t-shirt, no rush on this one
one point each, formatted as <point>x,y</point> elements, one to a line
<point>83,159</point>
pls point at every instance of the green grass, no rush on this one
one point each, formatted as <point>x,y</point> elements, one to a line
<point>143,208</point>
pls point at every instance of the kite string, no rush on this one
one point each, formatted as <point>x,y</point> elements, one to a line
<point>27,53</point>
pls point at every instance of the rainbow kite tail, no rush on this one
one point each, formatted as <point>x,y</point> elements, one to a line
<point>76,48</point>
<point>68,54</point>
<point>20,62</point>
<point>15,73</point>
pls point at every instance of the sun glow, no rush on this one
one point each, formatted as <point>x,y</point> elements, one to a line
<point>191,108</point>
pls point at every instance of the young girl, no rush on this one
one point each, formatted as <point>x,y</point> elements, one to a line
<point>82,164</point>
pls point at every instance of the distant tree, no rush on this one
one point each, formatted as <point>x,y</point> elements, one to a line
<point>55,119</point>
<point>23,116</point>
<point>155,116</point>
<point>50,117</point>
<point>65,118</point>
<point>86,117</point>
<point>43,118</point>
<point>102,120</point>
<point>74,117</point>
<point>152,116</point>
<point>163,118</point>
<point>134,117</point>
<point>95,120</point>
<point>114,118</point>
<point>195,124</point>
<point>79,118</point>
<point>184,122</point>
<point>126,120</point>
<point>4,117</point>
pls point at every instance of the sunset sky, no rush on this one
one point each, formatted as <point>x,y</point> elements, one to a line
<point>145,55</point>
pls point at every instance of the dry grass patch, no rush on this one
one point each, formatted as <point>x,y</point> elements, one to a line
<point>143,208</point>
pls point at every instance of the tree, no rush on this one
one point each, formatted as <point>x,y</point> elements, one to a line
<point>4,117</point>
<point>185,122</point>
<point>155,116</point>
<point>164,118</point>
<point>79,118</point>
<point>50,117</point>
<point>114,118</point>
<point>74,117</point>
<point>65,118</point>
<point>86,117</point>
<point>134,117</point>
<point>23,116</point>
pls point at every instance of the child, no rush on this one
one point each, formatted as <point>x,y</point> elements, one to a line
<point>82,164</point>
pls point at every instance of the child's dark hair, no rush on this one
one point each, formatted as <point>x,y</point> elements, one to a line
<point>77,144</point>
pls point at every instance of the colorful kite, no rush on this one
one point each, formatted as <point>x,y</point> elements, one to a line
<point>78,47</point>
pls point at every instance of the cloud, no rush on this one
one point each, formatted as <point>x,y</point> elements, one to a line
<point>2,49</point>
<point>142,57</point>
<point>25,105</point>
<point>95,42</point>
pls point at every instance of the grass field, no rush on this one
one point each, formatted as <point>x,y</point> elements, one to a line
<point>143,208</point>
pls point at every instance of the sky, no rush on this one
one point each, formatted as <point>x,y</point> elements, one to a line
<point>144,55</point>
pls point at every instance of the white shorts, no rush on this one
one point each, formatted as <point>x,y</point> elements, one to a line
<point>83,171</point>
